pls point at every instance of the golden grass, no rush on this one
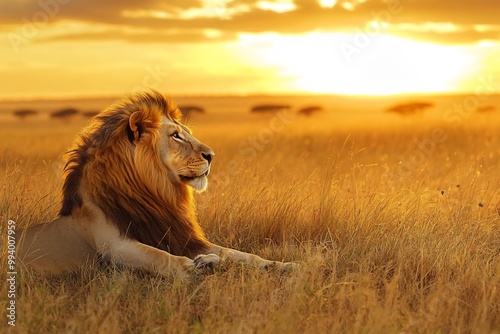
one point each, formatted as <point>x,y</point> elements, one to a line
<point>390,240</point>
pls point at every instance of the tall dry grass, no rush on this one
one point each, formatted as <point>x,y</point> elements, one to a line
<point>389,242</point>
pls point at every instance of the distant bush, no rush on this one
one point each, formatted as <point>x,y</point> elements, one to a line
<point>486,109</point>
<point>410,108</point>
<point>262,108</point>
<point>187,110</point>
<point>308,111</point>
<point>89,114</point>
<point>64,113</point>
<point>24,113</point>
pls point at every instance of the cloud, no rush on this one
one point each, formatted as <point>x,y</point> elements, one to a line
<point>447,33</point>
<point>250,16</point>
<point>143,37</point>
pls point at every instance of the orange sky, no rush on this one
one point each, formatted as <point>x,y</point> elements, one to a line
<point>58,48</point>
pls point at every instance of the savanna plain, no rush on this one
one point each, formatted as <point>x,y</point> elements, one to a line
<point>395,221</point>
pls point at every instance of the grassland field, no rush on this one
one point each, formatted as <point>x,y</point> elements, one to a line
<point>395,221</point>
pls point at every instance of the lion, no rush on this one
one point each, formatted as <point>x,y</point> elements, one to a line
<point>127,197</point>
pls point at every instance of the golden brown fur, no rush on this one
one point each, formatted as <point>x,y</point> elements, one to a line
<point>133,191</point>
<point>128,195</point>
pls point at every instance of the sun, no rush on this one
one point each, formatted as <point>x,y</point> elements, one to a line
<point>343,63</point>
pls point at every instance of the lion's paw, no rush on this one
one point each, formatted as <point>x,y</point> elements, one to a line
<point>284,267</point>
<point>206,262</point>
<point>288,267</point>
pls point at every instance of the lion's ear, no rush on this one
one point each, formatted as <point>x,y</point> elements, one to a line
<point>140,122</point>
<point>136,126</point>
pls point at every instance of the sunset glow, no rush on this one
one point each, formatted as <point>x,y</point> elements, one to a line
<point>391,66</point>
<point>250,47</point>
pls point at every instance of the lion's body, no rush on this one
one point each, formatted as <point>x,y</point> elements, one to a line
<point>54,247</point>
<point>128,195</point>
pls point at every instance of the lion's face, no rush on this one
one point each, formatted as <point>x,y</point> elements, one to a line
<point>187,159</point>
<point>157,137</point>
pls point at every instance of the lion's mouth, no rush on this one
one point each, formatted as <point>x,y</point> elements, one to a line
<point>192,178</point>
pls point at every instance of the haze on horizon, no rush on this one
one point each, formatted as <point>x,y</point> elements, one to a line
<point>68,48</point>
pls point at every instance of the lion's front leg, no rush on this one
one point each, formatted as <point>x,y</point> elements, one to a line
<point>228,254</point>
<point>134,254</point>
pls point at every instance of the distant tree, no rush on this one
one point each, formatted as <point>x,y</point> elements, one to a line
<point>263,108</point>
<point>308,111</point>
<point>64,113</point>
<point>410,108</point>
<point>24,113</point>
<point>486,109</point>
<point>188,110</point>
<point>89,114</point>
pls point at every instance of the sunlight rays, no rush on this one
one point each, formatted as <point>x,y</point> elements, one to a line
<point>384,65</point>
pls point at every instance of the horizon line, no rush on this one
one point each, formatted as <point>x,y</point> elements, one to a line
<point>252,94</point>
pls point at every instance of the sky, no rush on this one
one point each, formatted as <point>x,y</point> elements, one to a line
<point>84,48</point>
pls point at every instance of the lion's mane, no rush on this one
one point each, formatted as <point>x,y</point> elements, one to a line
<point>128,181</point>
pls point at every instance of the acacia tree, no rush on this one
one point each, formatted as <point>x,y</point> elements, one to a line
<point>64,114</point>
<point>410,108</point>
<point>263,108</point>
<point>308,111</point>
<point>25,113</point>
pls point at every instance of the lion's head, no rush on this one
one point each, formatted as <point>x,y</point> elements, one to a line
<point>156,126</point>
<point>186,158</point>
<point>139,164</point>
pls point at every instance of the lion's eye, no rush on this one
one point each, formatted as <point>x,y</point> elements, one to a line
<point>176,135</point>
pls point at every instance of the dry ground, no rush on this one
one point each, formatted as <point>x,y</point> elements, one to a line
<point>396,223</point>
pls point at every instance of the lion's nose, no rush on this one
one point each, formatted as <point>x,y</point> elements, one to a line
<point>208,157</point>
